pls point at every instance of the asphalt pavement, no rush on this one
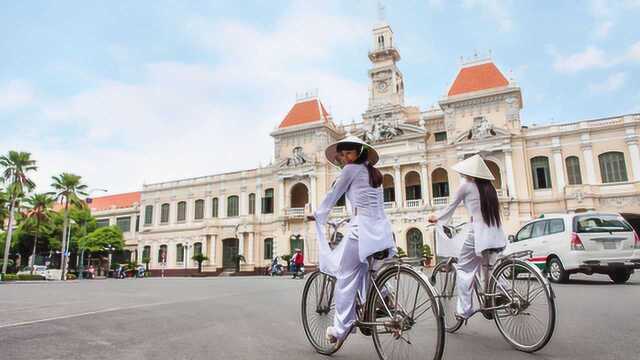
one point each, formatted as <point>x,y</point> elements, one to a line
<point>259,318</point>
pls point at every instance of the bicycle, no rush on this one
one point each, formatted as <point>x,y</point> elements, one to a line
<point>401,311</point>
<point>508,295</point>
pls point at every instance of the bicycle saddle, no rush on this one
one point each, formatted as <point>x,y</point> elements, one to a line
<point>381,255</point>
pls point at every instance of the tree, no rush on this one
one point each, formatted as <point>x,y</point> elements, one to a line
<point>146,259</point>
<point>199,258</point>
<point>101,238</point>
<point>68,188</point>
<point>4,212</point>
<point>237,258</point>
<point>16,166</point>
<point>38,215</point>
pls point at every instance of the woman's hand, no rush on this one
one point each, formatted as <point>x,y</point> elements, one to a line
<point>432,219</point>
<point>311,218</point>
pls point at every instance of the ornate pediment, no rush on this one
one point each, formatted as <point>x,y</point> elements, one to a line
<point>383,131</point>
<point>482,130</point>
<point>297,159</point>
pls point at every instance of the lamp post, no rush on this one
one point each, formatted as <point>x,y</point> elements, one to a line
<point>110,249</point>
<point>64,254</point>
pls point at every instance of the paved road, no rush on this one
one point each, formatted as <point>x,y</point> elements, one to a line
<point>258,318</point>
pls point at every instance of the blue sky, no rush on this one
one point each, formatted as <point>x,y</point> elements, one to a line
<point>126,93</point>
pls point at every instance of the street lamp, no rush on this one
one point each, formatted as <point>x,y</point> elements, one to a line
<point>110,249</point>
<point>64,254</point>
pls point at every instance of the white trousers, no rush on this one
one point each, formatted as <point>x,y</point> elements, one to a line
<point>350,280</point>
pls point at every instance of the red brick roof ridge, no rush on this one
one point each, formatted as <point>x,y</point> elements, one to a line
<point>477,77</point>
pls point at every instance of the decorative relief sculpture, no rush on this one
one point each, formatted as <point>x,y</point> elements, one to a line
<point>381,131</point>
<point>297,158</point>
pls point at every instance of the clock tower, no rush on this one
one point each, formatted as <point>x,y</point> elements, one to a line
<point>387,84</point>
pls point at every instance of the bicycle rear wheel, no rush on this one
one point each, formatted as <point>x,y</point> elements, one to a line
<point>407,314</point>
<point>528,320</point>
<point>318,310</point>
<point>443,278</point>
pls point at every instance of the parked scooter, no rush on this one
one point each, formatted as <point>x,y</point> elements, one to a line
<point>276,268</point>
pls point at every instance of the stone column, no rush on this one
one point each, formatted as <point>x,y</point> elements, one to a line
<point>557,159</point>
<point>424,184</point>
<point>587,153</point>
<point>397,184</point>
<point>213,240</point>
<point>250,259</point>
<point>634,152</point>
<point>281,197</point>
<point>243,236</point>
<point>511,184</point>
<point>313,196</point>
<point>222,206</point>
<point>258,201</point>
<point>171,253</point>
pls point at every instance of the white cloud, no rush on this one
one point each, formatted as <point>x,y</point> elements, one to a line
<point>15,94</point>
<point>633,54</point>
<point>498,10</point>
<point>591,58</point>
<point>613,83</point>
<point>184,120</point>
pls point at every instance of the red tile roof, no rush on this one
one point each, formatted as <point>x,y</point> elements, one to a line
<point>477,77</point>
<point>118,201</point>
<point>304,112</point>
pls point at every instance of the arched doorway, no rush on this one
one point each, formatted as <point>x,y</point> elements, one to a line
<point>495,171</point>
<point>299,195</point>
<point>414,243</point>
<point>229,250</point>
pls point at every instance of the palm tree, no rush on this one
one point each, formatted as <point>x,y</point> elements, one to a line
<point>4,213</point>
<point>68,187</point>
<point>16,166</point>
<point>39,214</point>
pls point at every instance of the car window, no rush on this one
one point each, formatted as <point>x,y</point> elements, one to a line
<point>525,233</point>
<point>538,229</point>
<point>601,223</point>
<point>555,226</point>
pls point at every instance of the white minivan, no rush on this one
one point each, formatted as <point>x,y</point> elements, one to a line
<point>564,244</point>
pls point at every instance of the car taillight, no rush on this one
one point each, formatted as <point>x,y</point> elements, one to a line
<point>576,243</point>
<point>636,240</point>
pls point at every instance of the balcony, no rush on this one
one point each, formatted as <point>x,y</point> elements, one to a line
<point>389,205</point>
<point>339,211</point>
<point>411,204</point>
<point>440,201</point>
<point>294,213</point>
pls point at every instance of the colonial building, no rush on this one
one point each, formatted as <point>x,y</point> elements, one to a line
<point>260,213</point>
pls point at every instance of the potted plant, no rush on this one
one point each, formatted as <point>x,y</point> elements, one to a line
<point>237,258</point>
<point>401,253</point>
<point>427,256</point>
<point>287,258</point>
<point>146,260</point>
<point>199,258</point>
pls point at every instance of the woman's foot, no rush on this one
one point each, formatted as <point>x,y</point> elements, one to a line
<point>333,339</point>
<point>461,318</point>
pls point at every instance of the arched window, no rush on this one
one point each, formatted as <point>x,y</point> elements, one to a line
<point>182,211</point>
<point>252,204</point>
<point>573,170</point>
<point>268,248</point>
<point>148,215</point>
<point>232,206</point>
<point>179,253</point>
<point>296,241</point>
<point>412,186</point>
<point>164,213</point>
<point>540,172</point>
<point>388,188</point>
<point>299,195</point>
<point>414,243</point>
<point>197,248</point>
<point>162,254</point>
<point>613,167</point>
<point>495,171</point>
<point>267,202</point>
<point>198,210</point>
<point>214,207</point>
<point>440,183</point>
<point>146,252</point>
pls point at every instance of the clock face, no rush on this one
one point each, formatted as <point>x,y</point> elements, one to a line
<point>382,86</point>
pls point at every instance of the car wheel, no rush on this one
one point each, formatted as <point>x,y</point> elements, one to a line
<point>620,277</point>
<point>556,271</point>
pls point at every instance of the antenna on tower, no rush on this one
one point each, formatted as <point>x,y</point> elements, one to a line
<point>381,14</point>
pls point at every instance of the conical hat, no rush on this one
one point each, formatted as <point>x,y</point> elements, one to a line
<point>474,166</point>
<point>331,151</point>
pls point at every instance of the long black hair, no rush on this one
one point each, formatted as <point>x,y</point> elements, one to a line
<point>489,204</point>
<point>375,176</point>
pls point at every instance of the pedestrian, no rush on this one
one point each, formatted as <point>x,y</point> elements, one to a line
<point>369,230</point>
<point>484,237</point>
<point>298,263</point>
<point>92,271</point>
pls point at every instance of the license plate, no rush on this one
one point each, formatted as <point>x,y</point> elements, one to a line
<point>610,245</point>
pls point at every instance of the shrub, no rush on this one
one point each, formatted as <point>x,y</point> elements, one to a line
<point>401,253</point>
<point>9,277</point>
<point>27,277</point>
<point>71,276</point>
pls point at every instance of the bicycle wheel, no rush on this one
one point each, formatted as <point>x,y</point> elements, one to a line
<point>529,318</point>
<point>443,278</point>
<point>318,310</point>
<point>407,314</point>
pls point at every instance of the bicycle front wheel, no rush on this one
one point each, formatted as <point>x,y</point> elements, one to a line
<point>407,316</point>
<point>527,316</point>
<point>318,310</point>
<point>443,278</point>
